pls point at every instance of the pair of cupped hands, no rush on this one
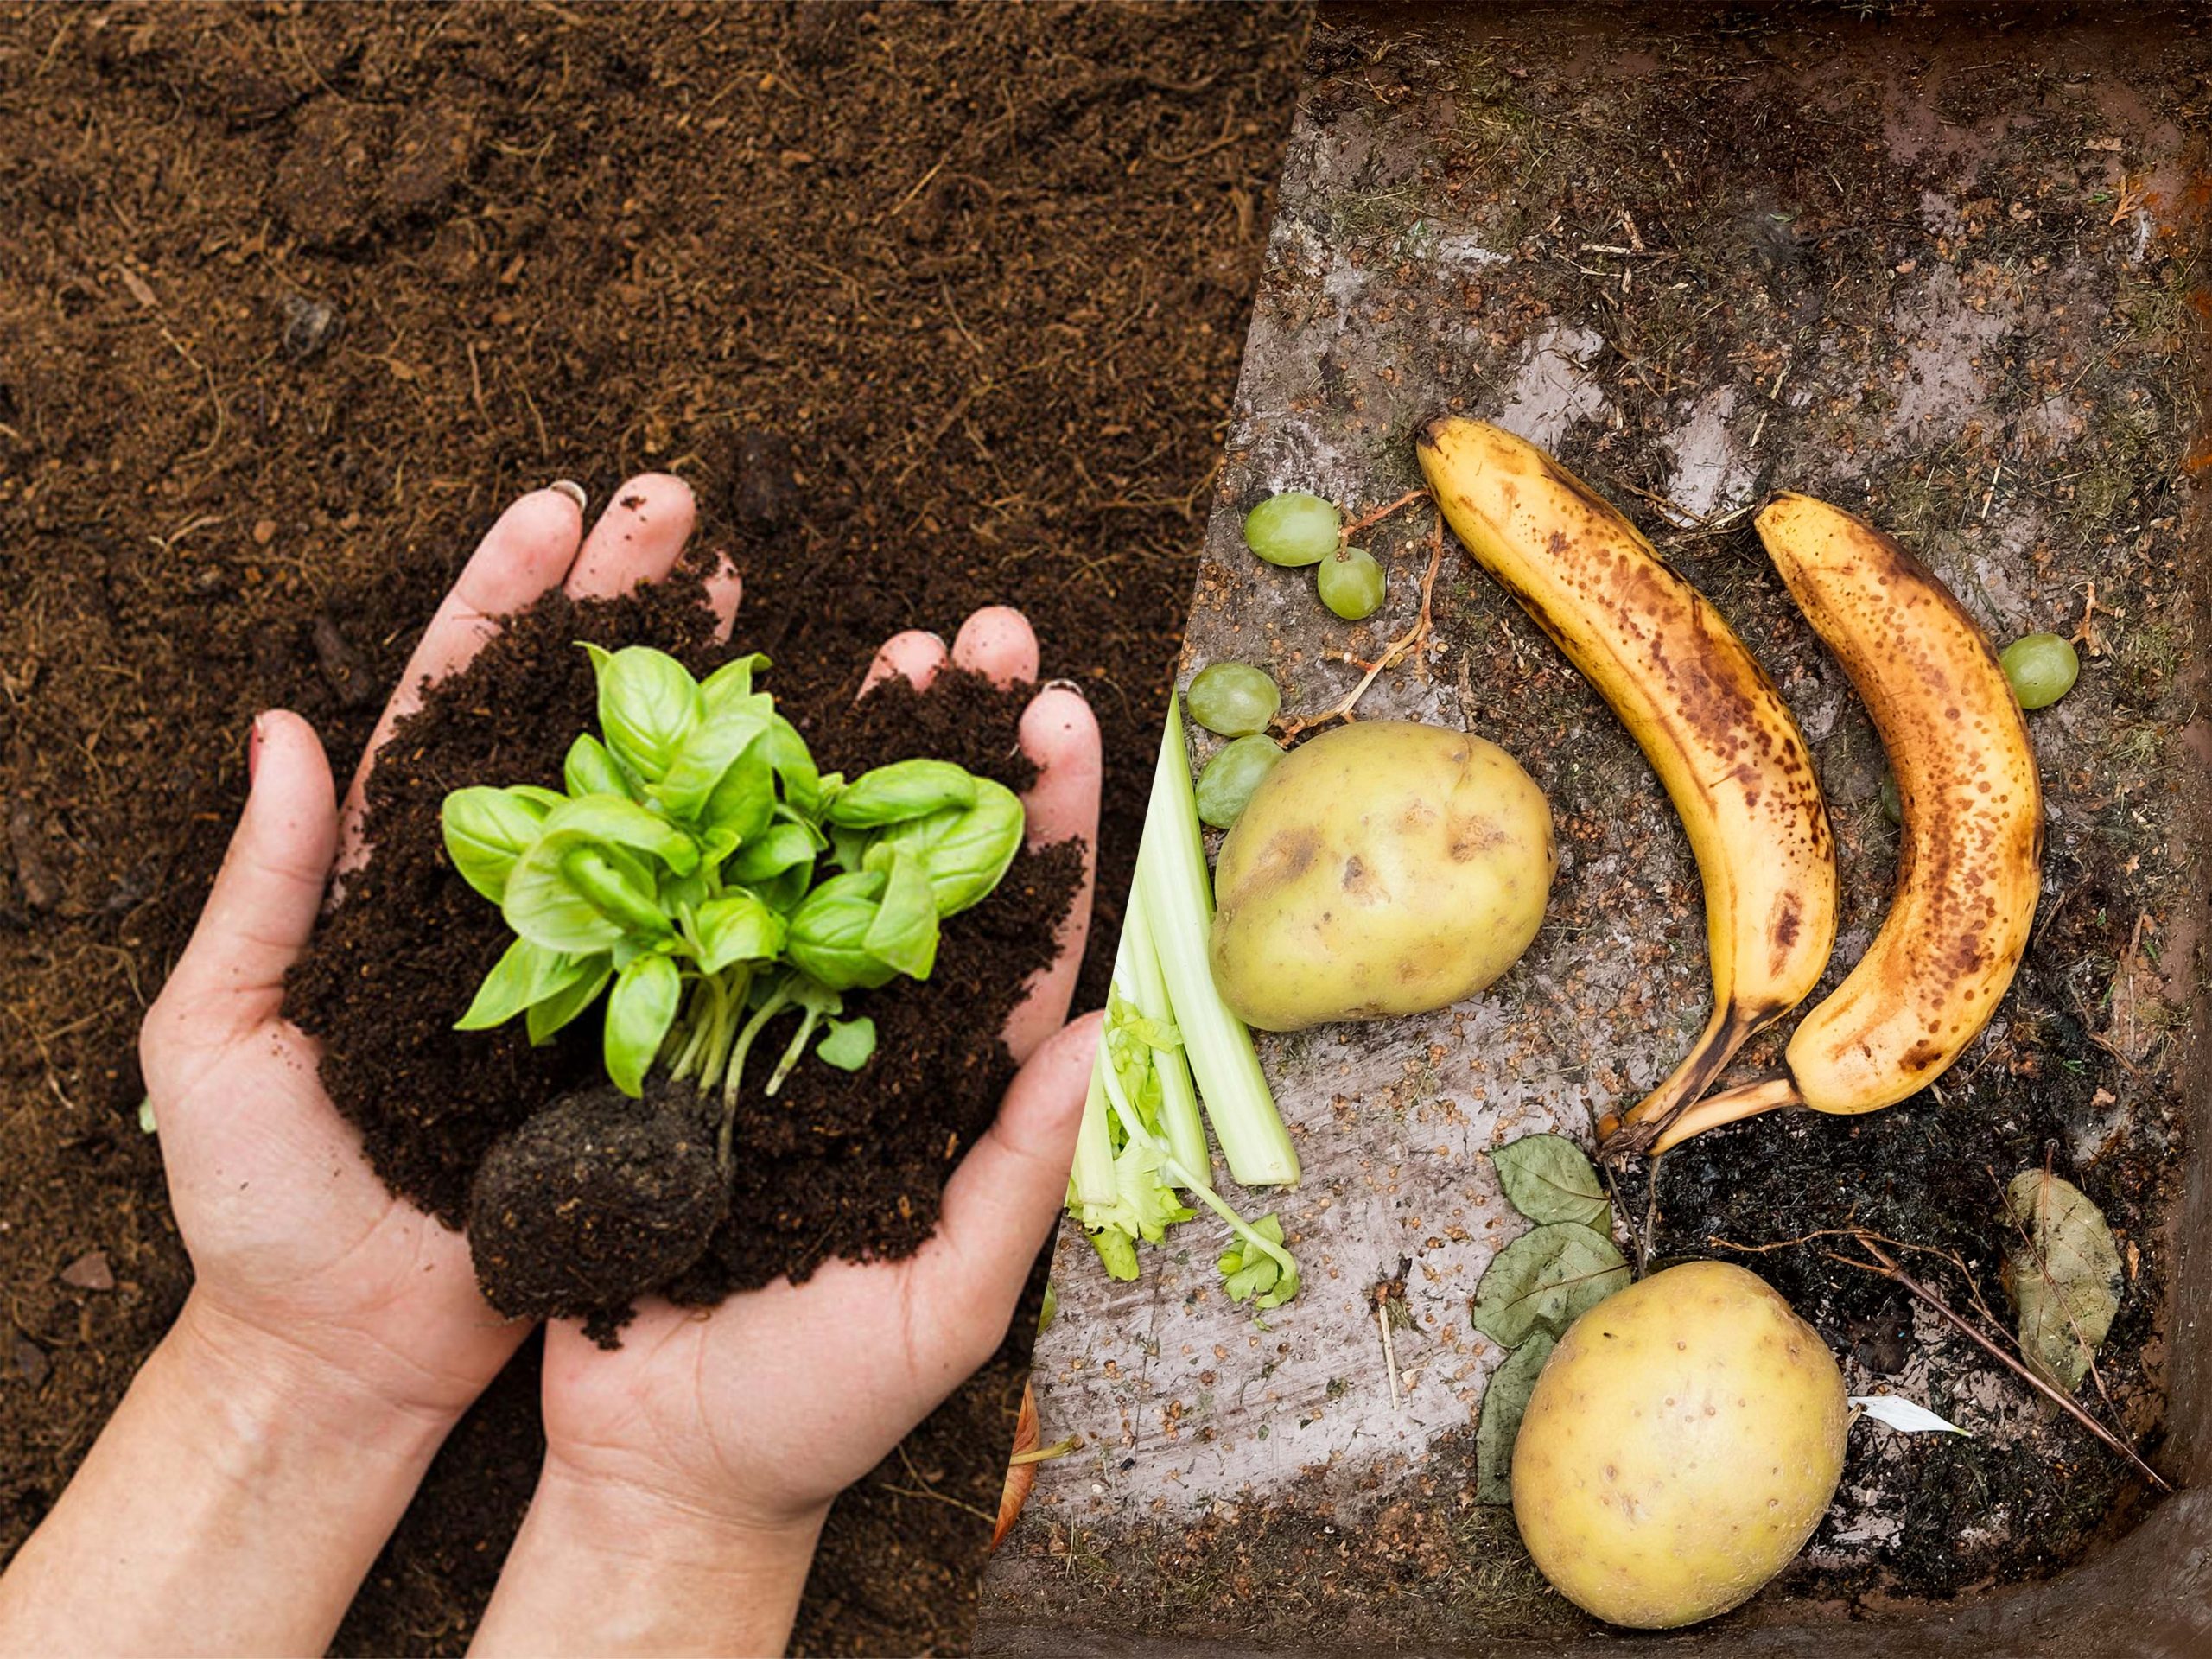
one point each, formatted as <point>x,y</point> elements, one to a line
<point>740,1425</point>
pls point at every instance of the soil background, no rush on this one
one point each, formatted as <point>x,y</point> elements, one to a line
<point>934,307</point>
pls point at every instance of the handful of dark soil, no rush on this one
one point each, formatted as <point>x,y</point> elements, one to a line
<point>578,1199</point>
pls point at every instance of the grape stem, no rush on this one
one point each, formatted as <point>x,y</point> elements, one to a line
<point>1412,638</point>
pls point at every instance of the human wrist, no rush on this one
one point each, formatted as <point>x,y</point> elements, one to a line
<point>689,1575</point>
<point>268,1385</point>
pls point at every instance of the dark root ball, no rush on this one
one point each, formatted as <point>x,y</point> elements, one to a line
<point>595,1202</point>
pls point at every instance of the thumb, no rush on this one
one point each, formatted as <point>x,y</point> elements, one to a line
<point>999,1203</point>
<point>266,896</point>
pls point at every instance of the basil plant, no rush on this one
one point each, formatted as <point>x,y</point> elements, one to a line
<point>698,869</point>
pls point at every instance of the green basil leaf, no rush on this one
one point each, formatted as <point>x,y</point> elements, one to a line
<point>967,851</point>
<point>736,927</point>
<point>559,1010</point>
<point>714,744</point>
<point>903,790</point>
<point>849,849</point>
<point>525,974</point>
<point>1505,1401</point>
<point>828,940</point>
<point>1547,1177</point>
<point>609,820</point>
<point>904,933</point>
<point>744,801</point>
<point>850,1043</point>
<point>545,902</point>
<point>590,770</point>
<point>648,704</point>
<point>794,763</point>
<point>646,997</point>
<point>548,798</point>
<point>619,887</point>
<point>785,892</point>
<point>732,681</point>
<point>1546,1279</point>
<point>486,831</point>
<point>781,847</point>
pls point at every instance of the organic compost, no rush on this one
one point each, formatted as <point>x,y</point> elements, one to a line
<point>934,307</point>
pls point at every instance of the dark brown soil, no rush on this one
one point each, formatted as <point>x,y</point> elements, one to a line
<point>935,307</point>
<point>595,1201</point>
<point>838,1163</point>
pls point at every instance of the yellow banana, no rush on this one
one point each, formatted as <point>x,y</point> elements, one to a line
<point>1970,859</point>
<point>1718,731</point>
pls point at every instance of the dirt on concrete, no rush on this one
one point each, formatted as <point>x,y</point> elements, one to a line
<point>1949,275</point>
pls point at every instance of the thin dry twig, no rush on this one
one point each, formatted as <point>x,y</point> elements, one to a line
<point>1884,1266</point>
<point>1422,627</point>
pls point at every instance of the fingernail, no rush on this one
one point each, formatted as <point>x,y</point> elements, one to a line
<point>1062,685</point>
<point>573,490</point>
<point>253,750</point>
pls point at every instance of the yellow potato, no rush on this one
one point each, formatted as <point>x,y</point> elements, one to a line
<point>1384,867</point>
<point>1681,1444</point>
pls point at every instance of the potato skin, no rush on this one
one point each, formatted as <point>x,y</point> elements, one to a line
<point>1681,1444</point>
<point>1384,867</point>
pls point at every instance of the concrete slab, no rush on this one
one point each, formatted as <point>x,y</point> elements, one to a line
<point>1948,277</point>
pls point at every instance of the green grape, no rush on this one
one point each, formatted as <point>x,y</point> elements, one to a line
<point>1351,583</point>
<point>1232,699</point>
<point>1293,528</point>
<point>2042,668</point>
<point>1226,784</point>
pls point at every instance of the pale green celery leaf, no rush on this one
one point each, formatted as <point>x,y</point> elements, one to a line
<point>1545,1279</point>
<point>1117,1251</point>
<point>1505,1400</point>
<point>1549,1178</point>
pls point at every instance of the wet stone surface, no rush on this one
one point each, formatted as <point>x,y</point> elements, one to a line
<point>1953,284</point>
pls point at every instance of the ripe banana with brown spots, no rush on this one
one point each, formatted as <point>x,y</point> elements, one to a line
<point>1717,731</point>
<point>1970,857</point>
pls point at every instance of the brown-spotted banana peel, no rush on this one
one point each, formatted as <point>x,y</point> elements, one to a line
<point>1969,859</point>
<point>1714,726</point>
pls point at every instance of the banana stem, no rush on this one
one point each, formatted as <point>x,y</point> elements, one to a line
<point>1716,1045</point>
<point>1767,1094</point>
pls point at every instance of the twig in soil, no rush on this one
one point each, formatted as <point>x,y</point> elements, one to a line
<point>1884,1266</point>
<point>1422,627</point>
<point>921,1487</point>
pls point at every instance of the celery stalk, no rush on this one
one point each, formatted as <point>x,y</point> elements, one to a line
<point>1179,1098</point>
<point>1090,1182</point>
<point>1177,899</point>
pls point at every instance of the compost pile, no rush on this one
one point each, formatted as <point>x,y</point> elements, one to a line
<point>837,1164</point>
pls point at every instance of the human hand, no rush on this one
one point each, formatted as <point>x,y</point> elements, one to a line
<point>305,1267</point>
<point>707,1449</point>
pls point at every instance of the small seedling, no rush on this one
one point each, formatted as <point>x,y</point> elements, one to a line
<point>701,871</point>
